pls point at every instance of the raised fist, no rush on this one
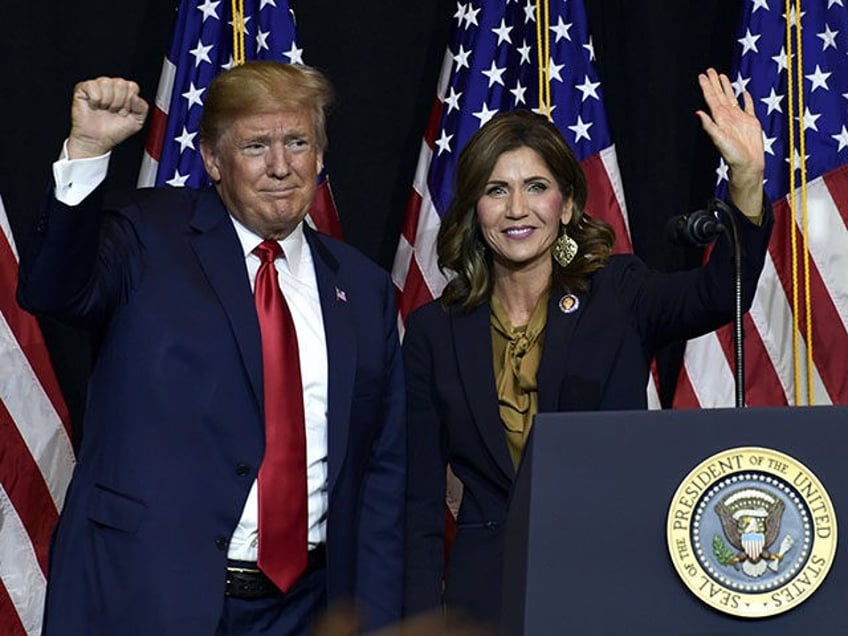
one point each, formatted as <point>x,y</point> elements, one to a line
<point>104,112</point>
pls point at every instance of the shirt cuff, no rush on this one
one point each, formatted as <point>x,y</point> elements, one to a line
<point>77,178</point>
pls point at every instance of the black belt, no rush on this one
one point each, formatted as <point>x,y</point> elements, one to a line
<point>245,580</point>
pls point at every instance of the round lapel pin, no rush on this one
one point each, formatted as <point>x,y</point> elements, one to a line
<point>569,304</point>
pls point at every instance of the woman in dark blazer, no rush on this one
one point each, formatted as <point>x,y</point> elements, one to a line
<point>539,316</point>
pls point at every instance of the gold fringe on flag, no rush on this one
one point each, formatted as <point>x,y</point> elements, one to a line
<point>543,55</point>
<point>238,32</point>
<point>795,62</point>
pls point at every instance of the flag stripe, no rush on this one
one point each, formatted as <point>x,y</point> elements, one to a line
<point>41,429</point>
<point>24,326</point>
<point>684,392</point>
<point>415,292</point>
<point>25,487</point>
<point>410,219</point>
<point>22,330</point>
<point>830,237</point>
<point>837,185</point>
<point>768,388</point>
<point>604,202</point>
<point>165,90</point>
<point>20,572</point>
<point>10,622</point>
<point>768,359</point>
<point>157,123</point>
<point>432,129</point>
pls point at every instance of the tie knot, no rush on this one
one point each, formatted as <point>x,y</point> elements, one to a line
<point>268,250</point>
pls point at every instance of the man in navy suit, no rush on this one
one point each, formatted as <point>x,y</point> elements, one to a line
<point>159,532</point>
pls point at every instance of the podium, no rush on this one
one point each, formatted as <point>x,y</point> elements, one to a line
<point>586,546</point>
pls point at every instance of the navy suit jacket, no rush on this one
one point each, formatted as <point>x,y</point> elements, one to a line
<point>173,433</point>
<point>595,358</point>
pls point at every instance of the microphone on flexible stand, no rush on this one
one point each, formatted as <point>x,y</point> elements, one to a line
<point>700,228</point>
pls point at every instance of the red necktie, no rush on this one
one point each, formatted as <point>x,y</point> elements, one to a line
<point>282,475</point>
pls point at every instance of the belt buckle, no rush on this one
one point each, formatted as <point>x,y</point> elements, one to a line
<point>246,582</point>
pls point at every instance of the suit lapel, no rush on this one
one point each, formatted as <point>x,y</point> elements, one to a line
<point>219,252</point>
<point>473,342</point>
<point>559,331</point>
<point>341,351</point>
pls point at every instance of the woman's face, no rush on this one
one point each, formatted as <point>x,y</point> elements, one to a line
<point>520,212</point>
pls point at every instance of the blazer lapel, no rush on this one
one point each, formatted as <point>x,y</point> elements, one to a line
<point>341,352</point>
<point>473,343</point>
<point>218,250</point>
<point>559,331</point>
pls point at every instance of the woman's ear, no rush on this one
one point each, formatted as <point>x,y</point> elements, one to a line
<point>567,210</point>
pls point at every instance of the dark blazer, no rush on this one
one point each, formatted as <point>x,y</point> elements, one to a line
<point>594,358</point>
<point>173,432</point>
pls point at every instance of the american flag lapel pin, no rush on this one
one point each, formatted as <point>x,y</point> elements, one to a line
<point>341,295</point>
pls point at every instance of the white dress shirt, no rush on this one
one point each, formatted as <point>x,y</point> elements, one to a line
<point>296,274</point>
<point>77,178</point>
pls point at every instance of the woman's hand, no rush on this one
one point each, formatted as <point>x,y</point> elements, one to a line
<point>738,136</point>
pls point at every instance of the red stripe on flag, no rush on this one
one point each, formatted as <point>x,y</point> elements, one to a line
<point>603,204</point>
<point>25,485</point>
<point>830,339</point>
<point>767,389</point>
<point>433,123</point>
<point>10,622</point>
<point>837,184</point>
<point>323,211</point>
<point>156,133</point>
<point>27,332</point>
<point>414,293</point>
<point>410,218</point>
<point>762,386</point>
<point>684,394</point>
<point>762,382</point>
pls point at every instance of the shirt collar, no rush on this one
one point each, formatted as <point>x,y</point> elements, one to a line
<point>292,245</point>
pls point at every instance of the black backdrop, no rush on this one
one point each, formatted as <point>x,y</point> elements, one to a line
<point>383,57</point>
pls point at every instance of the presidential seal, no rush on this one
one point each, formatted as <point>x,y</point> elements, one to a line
<point>751,532</point>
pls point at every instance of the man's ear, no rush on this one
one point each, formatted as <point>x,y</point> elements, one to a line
<point>210,161</point>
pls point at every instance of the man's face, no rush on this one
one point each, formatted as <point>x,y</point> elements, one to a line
<point>265,167</point>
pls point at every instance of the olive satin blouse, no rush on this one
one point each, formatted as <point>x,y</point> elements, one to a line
<point>516,352</point>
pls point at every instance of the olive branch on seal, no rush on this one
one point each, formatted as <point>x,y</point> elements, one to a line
<point>722,553</point>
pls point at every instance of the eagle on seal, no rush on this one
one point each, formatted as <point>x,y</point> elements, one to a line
<point>751,520</point>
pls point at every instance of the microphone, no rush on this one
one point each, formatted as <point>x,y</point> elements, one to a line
<point>700,228</point>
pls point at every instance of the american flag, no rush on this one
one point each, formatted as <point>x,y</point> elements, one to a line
<point>796,334</point>
<point>36,457</point>
<point>202,46</point>
<point>492,64</point>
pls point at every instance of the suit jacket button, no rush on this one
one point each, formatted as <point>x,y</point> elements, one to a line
<point>222,543</point>
<point>242,470</point>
